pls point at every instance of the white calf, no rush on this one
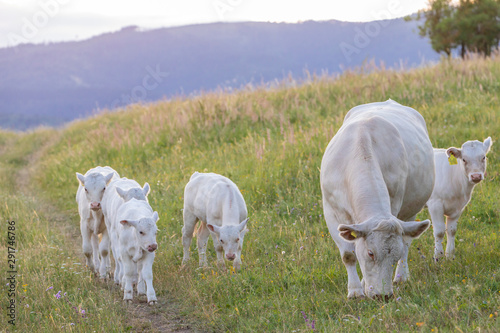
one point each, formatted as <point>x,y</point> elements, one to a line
<point>218,204</point>
<point>90,191</point>
<point>453,189</point>
<point>118,192</point>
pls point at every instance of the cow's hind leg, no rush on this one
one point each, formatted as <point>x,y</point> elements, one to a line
<point>104,249</point>
<point>187,233</point>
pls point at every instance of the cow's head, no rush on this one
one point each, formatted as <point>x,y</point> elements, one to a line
<point>230,237</point>
<point>379,246</point>
<point>94,185</point>
<point>134,193</point>
<point>472,158</point>
<point>145,231</point>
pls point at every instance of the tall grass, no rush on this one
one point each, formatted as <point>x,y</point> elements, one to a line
<point>270,143</point>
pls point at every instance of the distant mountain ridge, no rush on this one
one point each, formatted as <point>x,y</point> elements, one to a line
<point>55,83</point>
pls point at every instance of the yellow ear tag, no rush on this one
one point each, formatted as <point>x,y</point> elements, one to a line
<point>452,160</point>
<point>353,234</point>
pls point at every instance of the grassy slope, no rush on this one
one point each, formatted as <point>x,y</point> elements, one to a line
<point>270,143</point>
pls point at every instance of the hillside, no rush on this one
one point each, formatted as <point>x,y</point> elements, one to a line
<point>55,83</point>
<point>269,142</point>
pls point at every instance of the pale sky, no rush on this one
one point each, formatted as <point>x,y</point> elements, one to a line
<point>38,21</point>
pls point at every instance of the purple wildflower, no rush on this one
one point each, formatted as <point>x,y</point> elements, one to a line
<point>312,324</point>
<point>58,295</point>
<point>49,288</point>
<point>276,247</point>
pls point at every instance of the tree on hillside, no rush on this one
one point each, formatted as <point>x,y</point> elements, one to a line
<point>471,25</point>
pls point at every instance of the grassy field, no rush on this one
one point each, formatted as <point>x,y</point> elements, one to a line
<point>270,143</point>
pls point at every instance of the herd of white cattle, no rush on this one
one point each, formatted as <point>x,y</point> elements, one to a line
<point>377,173</point>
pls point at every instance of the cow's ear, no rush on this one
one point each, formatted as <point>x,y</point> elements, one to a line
<point>455,152</point>
<point>351,232</point>
<point>131,223</point>
<point>487,145</point>
<point>80,178</point>
<point>122,193</point>
<point>415,229</point>
<point>213,228</point>
<point>146,189</point>
<point>108,178</point>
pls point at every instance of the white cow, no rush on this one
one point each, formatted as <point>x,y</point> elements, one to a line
<point>90,191</point>
<point>133,227</point>
<point>120,191</point>
<point>377,173</point>
<point>453,189</point>
<point>217,202</point>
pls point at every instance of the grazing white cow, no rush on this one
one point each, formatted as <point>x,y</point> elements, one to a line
<point>90,191</point>
<point>377,173</point>
<point>453,189</point>
<point>133,226</point>
<point>217,202</point>
<point>120,191</point>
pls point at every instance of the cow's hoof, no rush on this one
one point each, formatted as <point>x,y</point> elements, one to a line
<point>356,294</point>
<point>152,303</point>
<point>127,301</point>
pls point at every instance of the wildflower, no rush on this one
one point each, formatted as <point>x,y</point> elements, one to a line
<point>49,288</point>
<point>419,324</point>
<point>58,295</point>
<point>312,324</point>
<point>276,247</point>
<point>301,248</point>
<point>282,252</point>
<point>72,324</point>
<point>491,315</point>
<point>398,299</point>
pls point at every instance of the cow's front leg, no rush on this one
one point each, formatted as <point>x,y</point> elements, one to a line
<point>202,240</point>
<point>402,270</point>
<point>220,253</point>
<point>147,276</point>
<point>87,244</point>
<point>354,286</point>
<point>438,227</point>
<point>451,230</point>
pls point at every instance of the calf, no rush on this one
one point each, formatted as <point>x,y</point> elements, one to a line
<point>216,202</point>
<point>91,189</point>
<point>453,189</point>
<point>376,174</point>
<point>120,191</point>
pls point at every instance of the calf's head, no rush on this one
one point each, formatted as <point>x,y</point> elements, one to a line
<point>379,246</point>
<point>230,237</point>
<point>94,185</point>
<point>145,231</point>
<point>472,158</point>
<point>134,193</point>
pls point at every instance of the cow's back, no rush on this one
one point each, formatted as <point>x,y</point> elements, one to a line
<point>394,139</point>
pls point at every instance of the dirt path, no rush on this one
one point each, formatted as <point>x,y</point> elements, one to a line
<point>164,317</point>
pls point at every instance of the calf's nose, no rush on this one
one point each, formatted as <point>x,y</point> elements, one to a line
<point>476,177</point>
<point>230,256</point>
<point>152,247</point>
<point>95,205</point>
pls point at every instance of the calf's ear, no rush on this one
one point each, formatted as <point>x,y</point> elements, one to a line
<point>122,193</point>
<point>155,217</point>
<point>243,224</point>
<point>146,189</point>
<point>80,178</point>
<point>416,228</point>
<point>108,178</point>
<point>487,145</point>
<point>130,223</point>
<point>214,228</point>
<point>351,232</point>
<point>454,151</point>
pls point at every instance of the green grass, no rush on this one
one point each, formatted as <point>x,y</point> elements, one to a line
<point>270,143</point>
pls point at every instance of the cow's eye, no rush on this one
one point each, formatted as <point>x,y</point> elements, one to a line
<point>484,158</point>
<point>104,189</point>
<point>237,239</point>
<point>142,233</point>
<point>86,190</point>
<point>370,253</point>
<point>221,241</point>
<point>463,159</point>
